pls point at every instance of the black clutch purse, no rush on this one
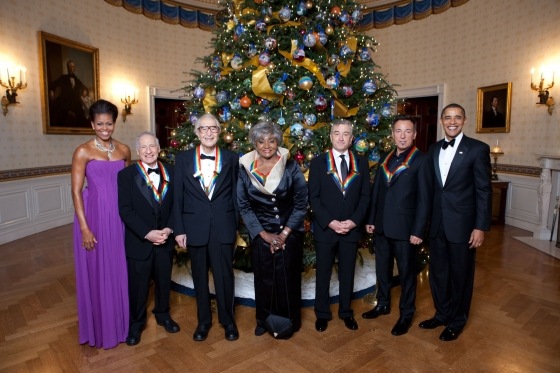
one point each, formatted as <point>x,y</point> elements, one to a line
<point>280,327</point>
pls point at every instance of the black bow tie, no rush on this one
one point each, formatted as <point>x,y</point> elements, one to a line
<point>447,143</point>
<point>155,170</point>
<point>204,156</point>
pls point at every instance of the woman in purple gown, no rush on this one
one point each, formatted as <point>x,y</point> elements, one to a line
<point>101,277</point>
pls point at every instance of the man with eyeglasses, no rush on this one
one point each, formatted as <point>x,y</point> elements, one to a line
<point>206,218</point>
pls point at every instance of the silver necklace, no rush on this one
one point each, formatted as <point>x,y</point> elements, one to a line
<point>101,147</point>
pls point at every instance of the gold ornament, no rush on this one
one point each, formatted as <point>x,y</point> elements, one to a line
<point>228,138</point>
<point>270,67</point>
<point>173,133</point>
<point>266,19</point>
<point>162,154</point>
<point>329,30</point>
<point>371,144</point>
<point>310,156</point>
<point>309,5</point>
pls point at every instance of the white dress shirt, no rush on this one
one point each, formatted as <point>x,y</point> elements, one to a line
<point>154,178</point>
<point>446,157</point>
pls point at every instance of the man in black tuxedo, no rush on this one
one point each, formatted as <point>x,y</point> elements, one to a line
<point>339,194</point>
<point>400,209</point>
<point>145,202</point>
<point>461,212</point>
<point>65,94</point>
<point>206,218</point>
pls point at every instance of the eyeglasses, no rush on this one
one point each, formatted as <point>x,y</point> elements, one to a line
<point>205,129</point>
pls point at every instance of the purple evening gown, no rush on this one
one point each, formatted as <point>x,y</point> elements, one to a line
<point>101,277</point>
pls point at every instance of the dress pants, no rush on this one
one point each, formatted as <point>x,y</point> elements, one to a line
<point>219,258</point>
<point>325,253</point>
<point>288,305</point>
<point>451,279</point>
<point>157,266</point>
<point>386,250</point>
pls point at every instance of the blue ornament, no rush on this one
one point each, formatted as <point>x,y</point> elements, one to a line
<point>369,87</point>
<point>270,43</point>
<point>199,92</point>
<point>344,17</point>
<point>247,83</point>
<point>332,81</point>
<point>217,62</point>
<point>310,119</point>
<point>296,129</point>
<point>345,51</point>
<point>301,9</point>
<point>235,104</point>
<point>356,16</point>
<point>364,54</point>
<point>264,59</point>
<point>193,118</point>
<point>372,118</point>
<point>374,155</point>
<point>307,135</point>
<point>252,51</point>
<point>224,114</point>
<point>386,110</point>
<point>285,14</point>
<point>279,87</point>
<point>309,40</point>
<point>281,121</point>
<point>236,62</point>
<point>221,97</point>
<point>239,29</point>
<point>323,38</point>
<point>260,25</point>
<point>297,115</point>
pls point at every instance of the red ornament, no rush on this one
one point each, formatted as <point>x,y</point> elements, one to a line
<point>335,10</point>
<point>245,102</point>
<point>174,143</point>
<point>299,157</point>
<point>258,1</point>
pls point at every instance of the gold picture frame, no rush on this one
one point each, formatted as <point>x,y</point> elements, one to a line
<point>70,83</point>
<point>493,109</point>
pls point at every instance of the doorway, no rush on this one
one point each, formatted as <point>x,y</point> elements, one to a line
<point>425,110</point>
<point>168,114</point>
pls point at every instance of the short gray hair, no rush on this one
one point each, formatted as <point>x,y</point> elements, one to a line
<point>209,116</point>
<point>145,133</point>
<point>342,122</point>
<point>263,129</point>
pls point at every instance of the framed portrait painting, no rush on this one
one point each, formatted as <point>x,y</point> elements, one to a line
<point>493,109</point>
<point>70,76</point>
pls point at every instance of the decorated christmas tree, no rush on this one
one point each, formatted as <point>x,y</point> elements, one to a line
<point>298,64</point>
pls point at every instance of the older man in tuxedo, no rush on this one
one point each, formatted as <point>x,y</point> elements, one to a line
<point>461,213</point>
<point>339,195</point>
<point>400,209</point>
<point>145,200</point>
<point>206,217</point>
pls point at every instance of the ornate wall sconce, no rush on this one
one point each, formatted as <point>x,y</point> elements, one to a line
<point>9,82</point>
<point>496,151</point>
<point>544,95</point>
<point>128,101</point>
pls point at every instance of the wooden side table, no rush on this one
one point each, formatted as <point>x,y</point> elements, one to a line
<point>499,199</point>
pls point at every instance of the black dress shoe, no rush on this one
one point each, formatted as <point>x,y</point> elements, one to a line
<point>231,332</point>
<point>321,324</point>
<point>431,323</point>
<point>376,311</point>
<point>170,326</point>
<point>402,326</point>
<point>450,334</point>
<point>133,339</point>
<point>201,332</point>
<point>259,330</point>
<point>350,323</point>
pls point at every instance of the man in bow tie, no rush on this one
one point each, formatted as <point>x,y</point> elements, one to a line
<point>206,218</point>
<point>399,211</point>
<point>65,95</point>
<point>493,117</point>
<point>339,196</point>
<point>461,212</point>
<point>145,203</point>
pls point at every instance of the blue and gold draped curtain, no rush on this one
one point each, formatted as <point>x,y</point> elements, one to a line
<point>192,15</point>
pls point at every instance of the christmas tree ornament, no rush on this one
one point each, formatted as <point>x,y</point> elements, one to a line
<point>264,59</point>
<point>193,118</point>
<point>270,67</point>
<point>329,30</point>
<point>174,143</point>
<point>307,135</point>
<point>301,9</point>
<point>299,157</point>
<point>335,10</point>
<point>369,87</point>
<point>251,50</point>
<point>163,154</point>
<point>217,62</point>
<point>221,97</point>
<point>258,1</point>
<point>372,118</point>
<point>346,51</point>
<point>309,4</point>
<point>285,14</point>
<point>270,43</point>
<point>247,83</point>
<point>239,30</point>
<point>173,133</point>
<point>266,19</point>
<point>281,121</point>
<point>333,60</point>
<point>310,156</point>
<point>260,25</point>
<point>299,54</point>
<point>364,54</point>
<point>347,90</point>
<point>320,103</point>
<point>356,16</point>
<point>361,145</point>
<point>310,119</point>
<point>228,138</point>
<point>371,144</point>
<point>224,114</point>
<point>290,94</point>
<point>199,92</point>
<point>332,81</point>
<point>245,102</point>
<point>296,130</point>
<point>279,87</point>
<point>386,110</point>
<point>344,18</point>
<point>309,40</point>
<point>235,104</point>
<point>217,76</point>
<point>305,83</point>
<point>323,38</point>
<point>297,114</point>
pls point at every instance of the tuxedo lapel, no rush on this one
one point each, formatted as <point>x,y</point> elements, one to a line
<point>460,155</point>
<point>225,171</point>
<point>436,163</point>
<point>144,189</point>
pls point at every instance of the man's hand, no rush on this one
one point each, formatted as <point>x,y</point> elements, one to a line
<point>415,240</point>
<point>181,240</point>
<point>157,237</point>
<point>477,238</point>
<point>370,228</point>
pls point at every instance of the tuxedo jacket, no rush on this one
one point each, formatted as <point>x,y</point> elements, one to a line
<point>328,203</point>
<point>195,214</point>
<point>140,211</point>
<point>464,203</point>
<point>401,201</point>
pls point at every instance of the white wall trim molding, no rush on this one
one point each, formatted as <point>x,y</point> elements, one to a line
<point>521,205</point>
<point>30,206</point>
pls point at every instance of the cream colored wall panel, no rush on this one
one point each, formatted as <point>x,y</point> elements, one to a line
<point>14,207</point>
<point>521,207</point>
<point>48,200</point>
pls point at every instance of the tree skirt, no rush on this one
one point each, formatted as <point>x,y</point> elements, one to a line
<point>364,282</point>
